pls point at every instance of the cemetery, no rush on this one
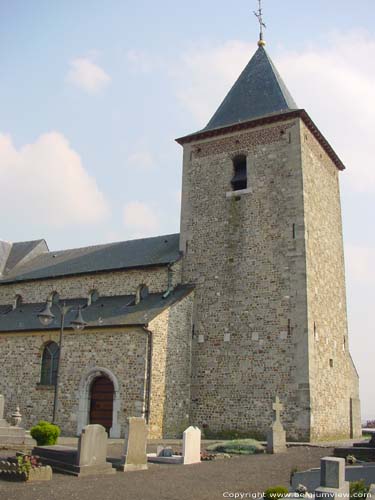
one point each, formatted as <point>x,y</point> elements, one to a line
<point>209,363</point>
<point>66,464</point>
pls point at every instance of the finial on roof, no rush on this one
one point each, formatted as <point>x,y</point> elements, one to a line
<point>259,16</point>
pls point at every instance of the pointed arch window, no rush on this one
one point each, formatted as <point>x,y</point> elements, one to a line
<point>50,361</point>
<point>239,180</point>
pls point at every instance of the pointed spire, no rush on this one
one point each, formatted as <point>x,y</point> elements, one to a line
<point>259,91</point>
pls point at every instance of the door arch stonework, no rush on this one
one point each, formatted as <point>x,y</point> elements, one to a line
<point>83,416</point>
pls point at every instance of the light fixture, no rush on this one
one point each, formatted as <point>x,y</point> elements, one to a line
<point>46,317</point>
<point>78,323</point>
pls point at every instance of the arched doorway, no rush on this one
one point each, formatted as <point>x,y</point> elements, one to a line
<point>101,402</point>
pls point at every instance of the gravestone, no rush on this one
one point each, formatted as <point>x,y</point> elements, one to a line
<point>191,450</point>
<point>332,479</point>
<point>88,460</point>
<point>135,455</point>
<point>191,446</point>
<point>3,422</point>
<point>276,437</point>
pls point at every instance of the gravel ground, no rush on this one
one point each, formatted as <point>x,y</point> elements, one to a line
<point>206,481</point>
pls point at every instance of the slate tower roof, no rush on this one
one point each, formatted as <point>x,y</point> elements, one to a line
<point>259,91</point>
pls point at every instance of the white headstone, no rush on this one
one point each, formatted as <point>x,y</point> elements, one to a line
<point>135,457</point>
<point>92,446</point>
<point>191,446</point>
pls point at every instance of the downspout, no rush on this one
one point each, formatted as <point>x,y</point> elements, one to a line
<point>148,375</point>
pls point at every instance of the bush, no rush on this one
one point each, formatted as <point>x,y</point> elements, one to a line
<point>358,490</point>
<point>237,447</point>
<point>276,492</point>
<point>45,433</point>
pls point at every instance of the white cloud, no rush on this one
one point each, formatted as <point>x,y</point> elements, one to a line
<point>87,75</point>
<point>206,74</point>
<point>46,182</point>
<point>140,219</point>
<point>335,83</point>
<point>141,159</point>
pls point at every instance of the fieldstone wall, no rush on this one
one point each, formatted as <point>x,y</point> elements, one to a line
<point>121,354</point>
<point>106,283</point>
<point>121,351</point>
<point>334,381</point>
<point>171,370</point>
<point>246,255</point>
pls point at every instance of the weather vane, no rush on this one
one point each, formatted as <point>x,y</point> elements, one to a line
<point>259,16</point>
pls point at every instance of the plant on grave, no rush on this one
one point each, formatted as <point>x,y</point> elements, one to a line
<point>358,490</point>
<point>27,462</point>
<point>45,433</point>
<point>275,493</point>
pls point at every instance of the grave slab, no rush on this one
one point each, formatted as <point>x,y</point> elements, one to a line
<point>89,459</point>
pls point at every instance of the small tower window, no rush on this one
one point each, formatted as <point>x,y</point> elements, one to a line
<point>239,180</point>
<point>50,361</point>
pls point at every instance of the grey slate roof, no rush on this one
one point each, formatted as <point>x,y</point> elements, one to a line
<point>105,312</point>
<point>259,91</point>
<point>160,250</point>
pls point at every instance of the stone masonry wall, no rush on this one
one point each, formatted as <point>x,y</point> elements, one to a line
<point>171,370</point>
<point>121,351</point>
<point>107,283</point>
<point>333,387</point>
<point>247,258</point>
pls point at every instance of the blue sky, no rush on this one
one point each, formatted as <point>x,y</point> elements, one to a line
<point>93,94</point>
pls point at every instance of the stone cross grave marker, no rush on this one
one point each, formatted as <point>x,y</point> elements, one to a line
<point>135,456</point>
<point>278,408</point>
<point>276,437</point>
<point>332,479</point>
<point>191,446</point>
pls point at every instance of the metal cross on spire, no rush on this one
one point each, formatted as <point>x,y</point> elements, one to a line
<point>259,16</point>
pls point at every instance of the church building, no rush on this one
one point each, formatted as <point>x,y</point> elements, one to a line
<point>208,326</point>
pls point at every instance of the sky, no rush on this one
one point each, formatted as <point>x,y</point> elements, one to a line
<point>93,94</point>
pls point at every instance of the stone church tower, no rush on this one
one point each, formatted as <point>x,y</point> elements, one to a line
<point>261,235</point>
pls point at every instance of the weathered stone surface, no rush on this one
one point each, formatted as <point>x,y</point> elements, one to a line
<point>135,456</point>
<point>332,479</point>
<point>276,437</point>
<point>92,446</point>
<point>261,275</point>
<point>3,422</point>
<point>88,460</point>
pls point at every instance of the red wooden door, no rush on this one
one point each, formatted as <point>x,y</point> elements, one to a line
<point>101,407</point>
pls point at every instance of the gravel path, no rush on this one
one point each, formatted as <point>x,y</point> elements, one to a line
<point>206,481</point>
